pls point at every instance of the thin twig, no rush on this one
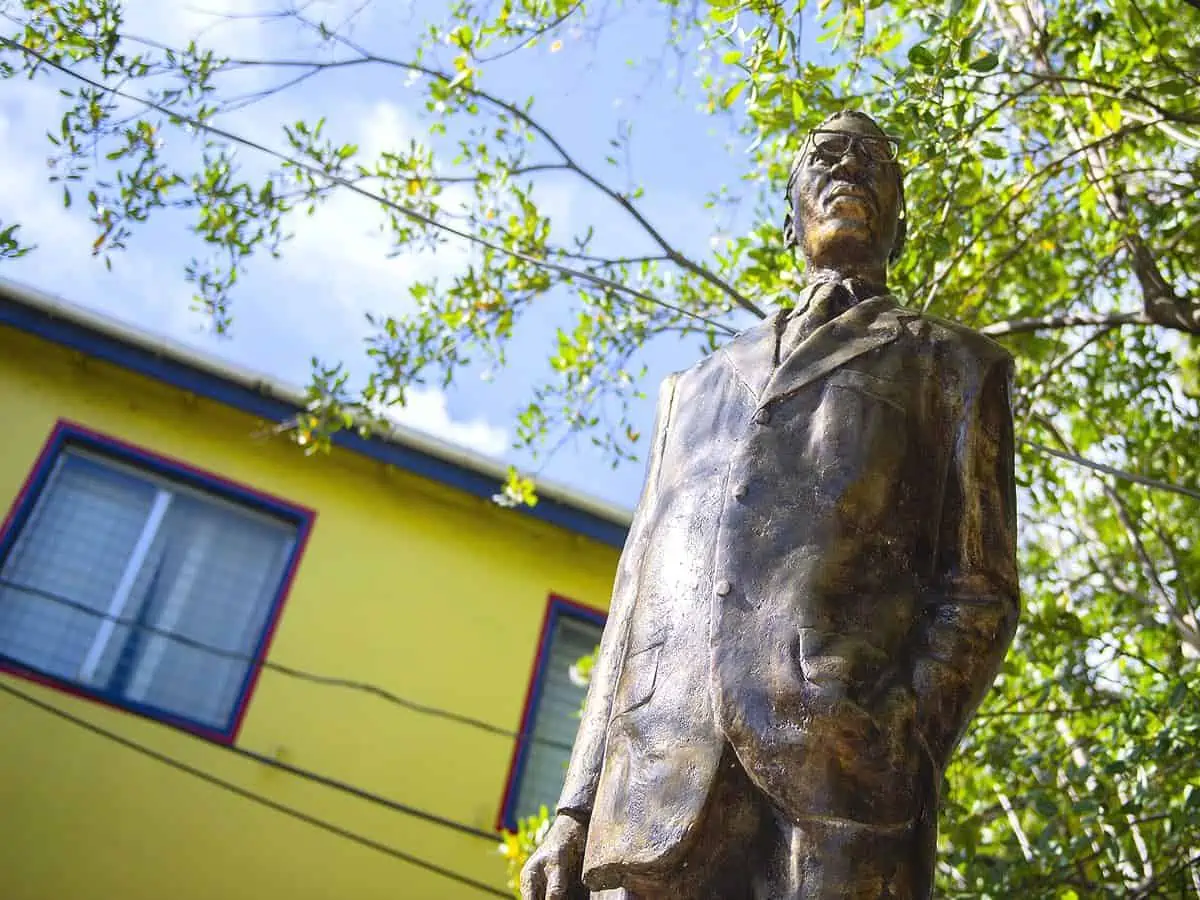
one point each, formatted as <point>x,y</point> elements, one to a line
<point>533,36</point>
<point>1079,320</point>
<point>345,183</point>
<point>1111,470</point>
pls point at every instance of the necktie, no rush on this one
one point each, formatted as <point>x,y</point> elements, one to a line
<point>827,302</point>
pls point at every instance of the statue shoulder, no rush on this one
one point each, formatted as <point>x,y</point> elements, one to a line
<point>963,343</point>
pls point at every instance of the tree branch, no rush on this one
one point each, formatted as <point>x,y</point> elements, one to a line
<point>1184,117</point>
<point>569,161</point>
<point>1159,300</point>
<point>1024,185</point>
<point>1113,471</point>
<point>1078,320</point>
<point>365,57</point>
<point>347,184</point>
<point>1126,517</point>
<point>524,42</point>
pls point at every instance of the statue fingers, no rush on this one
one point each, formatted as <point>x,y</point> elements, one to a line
<point>556,884</point>
<point>533,880</point>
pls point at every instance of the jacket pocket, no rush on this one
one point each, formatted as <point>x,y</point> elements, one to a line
<point>637,679</point>
<point>871,386</point>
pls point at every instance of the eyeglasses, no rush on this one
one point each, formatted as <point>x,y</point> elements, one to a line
<point>831,145</point>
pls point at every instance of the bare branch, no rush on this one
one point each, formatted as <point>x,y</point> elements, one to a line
<point>569,161</point>
<point>532,36</point>
<point>316,171</point>
<point>1077,320</point>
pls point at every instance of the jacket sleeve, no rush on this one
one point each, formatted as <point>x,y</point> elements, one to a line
<point>587,757</point>
<point>971,614</point>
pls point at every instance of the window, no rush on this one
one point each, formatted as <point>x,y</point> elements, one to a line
<point>551,717</point>
<point>143,583</point>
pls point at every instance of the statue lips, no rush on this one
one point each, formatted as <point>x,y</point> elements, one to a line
<point>851,191</point>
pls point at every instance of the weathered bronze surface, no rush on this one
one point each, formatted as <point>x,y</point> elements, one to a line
<point>817,590</point>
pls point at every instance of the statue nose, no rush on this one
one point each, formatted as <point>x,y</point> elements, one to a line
<point>849,162</point>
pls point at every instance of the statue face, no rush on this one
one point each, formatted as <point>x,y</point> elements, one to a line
<point>846,195</point>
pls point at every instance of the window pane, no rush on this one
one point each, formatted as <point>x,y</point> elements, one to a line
<point>206,570</point>
<point>556,719</point>
<point>75,544</point>
<point>217,574</point>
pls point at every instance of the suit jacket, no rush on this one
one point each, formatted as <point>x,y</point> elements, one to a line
<point>820,574</point>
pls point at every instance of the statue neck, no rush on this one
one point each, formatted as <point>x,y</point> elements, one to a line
<point>874,274</point>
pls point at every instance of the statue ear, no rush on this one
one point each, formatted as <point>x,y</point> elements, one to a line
<point>898,244</point>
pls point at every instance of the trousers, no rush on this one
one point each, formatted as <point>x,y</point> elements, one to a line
<point>747,849</point>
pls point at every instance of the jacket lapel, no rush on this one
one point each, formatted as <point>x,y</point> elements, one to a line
<point>752,353</point>
<point>866,326</point>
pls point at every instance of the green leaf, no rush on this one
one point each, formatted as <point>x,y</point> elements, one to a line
<point>985,63</point>
<point>921,57</point>
<point>732,93</point>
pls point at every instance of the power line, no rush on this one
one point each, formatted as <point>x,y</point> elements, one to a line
<point>354,791</point>
<point>342,182</point>
<point>365,687</point>
<point>307,774</point>
<point>255,797</point>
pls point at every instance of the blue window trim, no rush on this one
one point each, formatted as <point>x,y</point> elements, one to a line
<point>67,435</point>
<point>557,607</point>
<point>206,384</point>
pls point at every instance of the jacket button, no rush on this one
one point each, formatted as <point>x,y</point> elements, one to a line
<point>739,492</point>
<point>723,587</point>
<point>762,417</point>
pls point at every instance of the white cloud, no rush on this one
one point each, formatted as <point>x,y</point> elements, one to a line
<point>312,302</point>
<point>342,249</point>
<point>223,25</point>
<point>427,410</point>
<point>62,262</point>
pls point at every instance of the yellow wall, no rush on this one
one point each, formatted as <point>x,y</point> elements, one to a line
<point>434,594</point>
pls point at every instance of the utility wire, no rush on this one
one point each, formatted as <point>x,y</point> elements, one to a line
<point>300,674</point>
<point>352,790</point>
<point>307,774</point>
<point>617,287</point>
<point>252,796</point>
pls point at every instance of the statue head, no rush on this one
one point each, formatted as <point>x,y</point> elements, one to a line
<point>846,196</point>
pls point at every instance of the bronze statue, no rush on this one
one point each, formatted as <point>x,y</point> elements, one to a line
<point>817,590</point>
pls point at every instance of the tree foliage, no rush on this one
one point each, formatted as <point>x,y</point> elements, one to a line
<point>1052,152</point>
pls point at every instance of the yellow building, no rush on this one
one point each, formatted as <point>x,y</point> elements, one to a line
<point>233,671</point>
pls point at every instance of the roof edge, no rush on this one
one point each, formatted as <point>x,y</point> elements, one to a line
<point>165,359</point>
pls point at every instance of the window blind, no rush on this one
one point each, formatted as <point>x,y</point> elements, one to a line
<point>158,556</point>
<point>556,719</point>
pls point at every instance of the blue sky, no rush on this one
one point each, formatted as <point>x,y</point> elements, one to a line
<point>335,270</point>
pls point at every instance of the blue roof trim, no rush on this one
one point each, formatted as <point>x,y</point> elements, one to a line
<point>206,384</point>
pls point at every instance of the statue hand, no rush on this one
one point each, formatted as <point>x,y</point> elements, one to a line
<point>554,871</point>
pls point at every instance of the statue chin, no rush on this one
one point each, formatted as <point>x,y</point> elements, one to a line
<point>843,242</point>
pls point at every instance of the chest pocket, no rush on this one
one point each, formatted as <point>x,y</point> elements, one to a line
<point>873,387</point>
<point>859,441</point>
